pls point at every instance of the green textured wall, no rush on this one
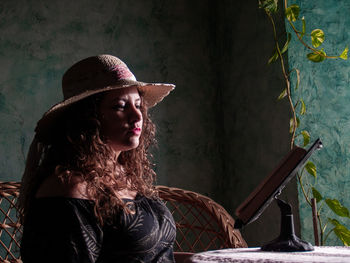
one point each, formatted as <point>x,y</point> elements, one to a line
<point>326,92</point>
<point>160,42</point>
<point>219,133</point>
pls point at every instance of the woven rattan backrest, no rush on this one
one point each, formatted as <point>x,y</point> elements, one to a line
<point>201,223</point>
<point>10,229</point>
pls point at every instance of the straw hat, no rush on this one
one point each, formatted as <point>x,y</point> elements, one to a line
<point>95,75</point>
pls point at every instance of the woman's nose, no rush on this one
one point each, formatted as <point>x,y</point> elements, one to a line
<point>135,114</point>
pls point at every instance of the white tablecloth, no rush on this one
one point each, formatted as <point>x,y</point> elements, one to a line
<point>252,255</point>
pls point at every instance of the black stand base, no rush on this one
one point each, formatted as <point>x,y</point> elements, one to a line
<point>290,245</point>
<point>287,241</point>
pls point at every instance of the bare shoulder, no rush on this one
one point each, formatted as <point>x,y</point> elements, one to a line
<point>53,186</point>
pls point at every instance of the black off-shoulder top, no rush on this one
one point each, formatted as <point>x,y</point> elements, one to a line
<point>65,230</point>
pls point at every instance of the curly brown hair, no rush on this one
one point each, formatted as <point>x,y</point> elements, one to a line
<point>74,147</point>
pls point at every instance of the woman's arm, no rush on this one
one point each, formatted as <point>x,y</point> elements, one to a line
<point>61,230</point>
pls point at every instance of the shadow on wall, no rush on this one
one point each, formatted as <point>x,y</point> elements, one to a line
<point>219,133</point>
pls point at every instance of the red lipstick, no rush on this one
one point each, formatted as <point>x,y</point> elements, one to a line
<point>136,131</point>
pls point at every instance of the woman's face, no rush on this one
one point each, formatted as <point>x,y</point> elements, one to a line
<point>121,118</point>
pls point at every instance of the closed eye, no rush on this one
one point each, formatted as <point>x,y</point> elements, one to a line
<point>118,107</point>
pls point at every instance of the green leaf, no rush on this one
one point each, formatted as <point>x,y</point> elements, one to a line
<point>318,56</point>
<point>291,124</point>
<point>298,79</point>
<point>316,194</point>
<point>343,234</point>
<point>282,95</point>
<point>304,27</point>
<point>285,47</point>
<point>341,231</point>
<point>317,37</point>
<point>344,54</point>
<point>273,58</point>
<point>337,207</point>
<point>306,137</point>
<point>269,6</point>
<point>303,107</point>
<point>311,169</point>
<point>292,13</point>
<point>335,222</point>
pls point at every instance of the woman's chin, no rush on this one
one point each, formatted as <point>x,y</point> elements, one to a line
<point>127,146</point>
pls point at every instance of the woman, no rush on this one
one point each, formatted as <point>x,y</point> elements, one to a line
<point>87,192</point>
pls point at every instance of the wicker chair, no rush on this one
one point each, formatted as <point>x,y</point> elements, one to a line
<point>201,223</point>
<point>10,229</point>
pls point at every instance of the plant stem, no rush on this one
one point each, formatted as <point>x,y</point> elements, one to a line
<point>330,231</point>
<point>285,75</point>
<point>321,229</point>
<point>303,190</point>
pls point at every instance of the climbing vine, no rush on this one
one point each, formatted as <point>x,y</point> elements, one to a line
<point>313,42</point>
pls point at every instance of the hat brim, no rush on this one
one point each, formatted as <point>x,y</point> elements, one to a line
<point>152,94</point>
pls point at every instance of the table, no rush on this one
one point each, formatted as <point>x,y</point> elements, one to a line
<point>252,255</point>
